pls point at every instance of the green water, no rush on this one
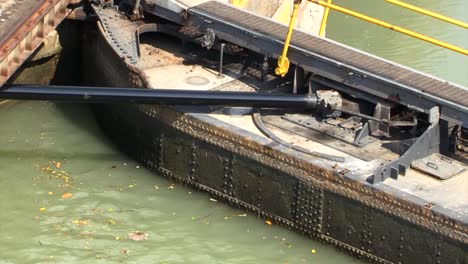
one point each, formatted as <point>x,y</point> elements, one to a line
<point>51,151</point>
<point>437,61</point>
<point>112,196</point>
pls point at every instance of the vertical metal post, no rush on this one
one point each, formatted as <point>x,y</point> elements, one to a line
<point>283,62</point>
<point>323,25</point>
<point>221,57</point>
<point>136,7</point>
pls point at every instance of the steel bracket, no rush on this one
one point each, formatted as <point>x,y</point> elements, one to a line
<point>427,144</point>
<point>382,111</point>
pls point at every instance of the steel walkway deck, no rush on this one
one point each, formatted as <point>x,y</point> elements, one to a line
<point>24,24</point>
<point>337,64</point>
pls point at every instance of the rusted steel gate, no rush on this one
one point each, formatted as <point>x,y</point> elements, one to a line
<point>24,24</point>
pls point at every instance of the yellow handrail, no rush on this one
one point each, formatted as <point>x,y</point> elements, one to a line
<point>283,62</point>
<point>429,13</point>
<point>392,27</point>
<point>323,25</point>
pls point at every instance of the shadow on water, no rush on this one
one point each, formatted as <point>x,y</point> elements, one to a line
<point>82,115</point>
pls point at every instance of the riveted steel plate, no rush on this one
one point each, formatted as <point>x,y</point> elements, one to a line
<point>176,154</point>
<point>308,209</point>
<point>120,32</point>
<point>263,187</point>
<point>210,166</point>
<point>374,232</point>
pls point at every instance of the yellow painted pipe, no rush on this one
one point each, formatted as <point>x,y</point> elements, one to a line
<point>392,27</point>
<point>283,62</point>
<point>323,25</point>
<point>429,13</point>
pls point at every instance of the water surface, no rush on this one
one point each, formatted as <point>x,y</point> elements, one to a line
<point>69,196</point>
<point>423,56</point>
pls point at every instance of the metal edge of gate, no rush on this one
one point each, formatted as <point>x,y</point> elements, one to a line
<point>29,36</point>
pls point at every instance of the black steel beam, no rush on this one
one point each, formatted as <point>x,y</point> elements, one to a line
<point>156,96</point>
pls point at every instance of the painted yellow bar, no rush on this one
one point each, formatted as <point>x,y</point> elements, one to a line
<point>323,25</point>
<point>239,3</point>
<point>429,13</point>
<point>283,13</point>
<point>392,27</point>
<point>283,62</point>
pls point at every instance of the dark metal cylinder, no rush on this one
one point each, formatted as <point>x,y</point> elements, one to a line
<point>156,96</point>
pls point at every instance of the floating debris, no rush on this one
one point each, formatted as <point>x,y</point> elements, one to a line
<point>137,235</point>
<point>52,169</point>
<point>268,222</point>
<point>81,222</point>
<point>66,195</point>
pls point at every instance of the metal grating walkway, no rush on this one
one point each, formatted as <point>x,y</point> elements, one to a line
<point>450,96</point>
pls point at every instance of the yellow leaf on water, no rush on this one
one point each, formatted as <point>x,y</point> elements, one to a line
<point>42,209</point>
<point>58,165</point>
<point>268,222</point>
<point>81,222</point>
<point>112,222</point>
<point>131,186</point>
<point>50,193</point>
<point>313,251</point>
<point>66,195</point>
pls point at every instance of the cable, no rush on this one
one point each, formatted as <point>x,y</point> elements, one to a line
<point>257,119</point>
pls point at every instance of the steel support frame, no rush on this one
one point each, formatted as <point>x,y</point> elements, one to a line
<point>426,144</point>
<point>357,79</point>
